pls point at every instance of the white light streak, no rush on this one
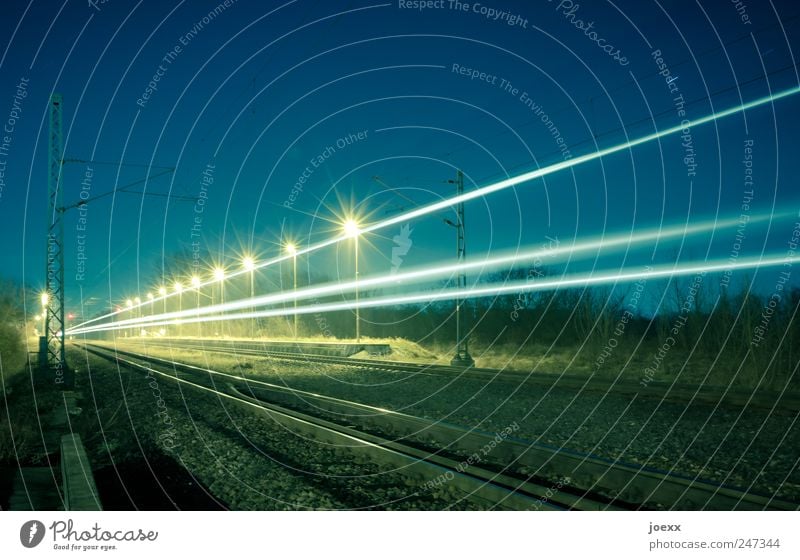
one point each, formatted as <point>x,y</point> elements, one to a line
<point>487,290</point>
<point>560,254</point>
<point>498,186</point>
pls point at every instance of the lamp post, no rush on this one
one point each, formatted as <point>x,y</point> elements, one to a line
<point>44,299</point>
<point>249,264</point>
<point>44,349</point>
<point>462,357</point>
<point>196,286</point>
<point>150,298</point>
<point>219,276</point>
<point>129,305</point>
<point>162,291</point>
<point>179,290</point>
<point>137,300</point>
<point>292,250</point>
<point>352,229</point>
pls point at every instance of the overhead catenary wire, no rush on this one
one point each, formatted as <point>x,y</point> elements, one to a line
<point>123,189</point>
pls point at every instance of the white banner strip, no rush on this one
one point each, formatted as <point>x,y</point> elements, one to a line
<point>399,535</point>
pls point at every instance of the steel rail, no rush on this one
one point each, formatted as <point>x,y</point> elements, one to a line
<point>595,483</point>
<point>478,484</point>
<point>661,390</point>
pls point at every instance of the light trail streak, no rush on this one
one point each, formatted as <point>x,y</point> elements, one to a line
<point>496,289</point>
<point>429,273</point>
<point>537,173</point>
<point>495,187</point>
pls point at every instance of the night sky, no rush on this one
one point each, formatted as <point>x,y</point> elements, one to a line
<point>280,117</point>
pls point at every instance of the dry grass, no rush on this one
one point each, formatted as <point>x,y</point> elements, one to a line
<point>13,352</point>
<point>21,413</point>
<point>700,369</point>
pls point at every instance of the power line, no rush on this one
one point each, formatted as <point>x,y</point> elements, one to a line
<point>115,163</point>
<point>123,189</point>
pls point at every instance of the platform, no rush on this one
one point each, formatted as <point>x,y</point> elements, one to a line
<point>80,492</point>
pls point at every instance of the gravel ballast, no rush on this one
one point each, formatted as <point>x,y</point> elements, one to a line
<point>239,456</point>
<point>751,448</point>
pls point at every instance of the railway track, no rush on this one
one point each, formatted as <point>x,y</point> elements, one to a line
<point>654,390</point>
<point>483,467</point>
<point>424,468</point>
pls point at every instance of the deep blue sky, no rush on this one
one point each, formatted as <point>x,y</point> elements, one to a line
<point>259,96</point>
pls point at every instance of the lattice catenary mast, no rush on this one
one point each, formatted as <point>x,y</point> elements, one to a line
<point>51,350</point>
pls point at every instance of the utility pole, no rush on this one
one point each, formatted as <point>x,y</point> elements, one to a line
<point>52,350</point>
<point>358,311</point>
<point>52,353</point>
<point>462,357</point>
